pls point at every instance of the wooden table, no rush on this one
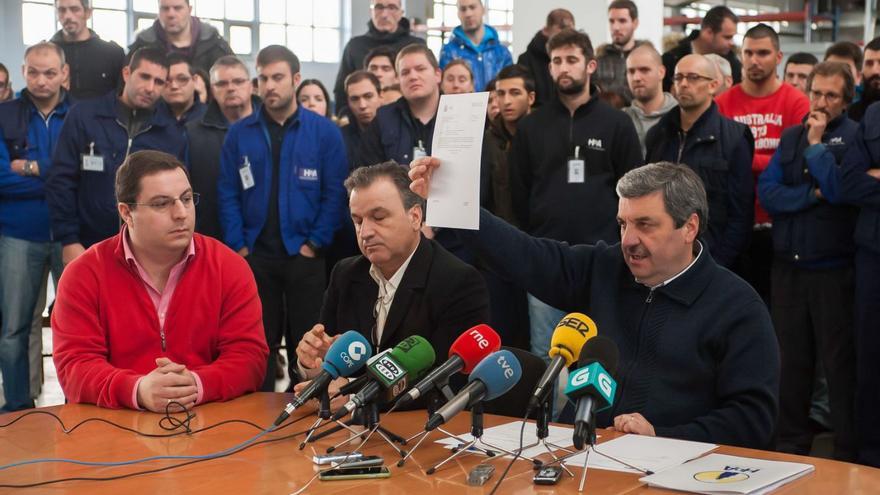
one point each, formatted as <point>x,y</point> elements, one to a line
<point>280,468</point>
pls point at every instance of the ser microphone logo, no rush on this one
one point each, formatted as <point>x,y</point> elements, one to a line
<point>356,351</point>
<point>576,323</point>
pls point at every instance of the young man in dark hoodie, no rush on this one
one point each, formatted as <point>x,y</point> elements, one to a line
<point>95,65</point>
<point>387,26</point>
<point>714,36</point>
<point>536,58</point>
<point>563,188</point>
<point>177,30</point>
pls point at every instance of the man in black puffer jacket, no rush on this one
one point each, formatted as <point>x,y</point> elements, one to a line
<point>536,59</point>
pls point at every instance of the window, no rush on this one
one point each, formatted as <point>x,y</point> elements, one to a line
<point>109,18</point>
<point>311,28</point>
<point>499,14</point>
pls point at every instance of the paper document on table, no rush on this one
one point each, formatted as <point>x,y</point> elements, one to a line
<point>506,437</point>
<point>718,474</point>
<point>454,198</point>
<point>650,453</point>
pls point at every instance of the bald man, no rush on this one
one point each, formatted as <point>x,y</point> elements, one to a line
<point>718,149</point>
<point>644,75</point>
<point>722,73</point>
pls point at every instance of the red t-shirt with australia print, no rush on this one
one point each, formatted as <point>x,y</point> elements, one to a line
<point>767,117</point>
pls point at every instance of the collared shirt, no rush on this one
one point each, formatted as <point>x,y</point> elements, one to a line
<point>387,290</point>
<point>669,281</point>
<point>161,299</point>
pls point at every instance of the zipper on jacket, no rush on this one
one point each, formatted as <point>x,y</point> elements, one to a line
<point>650,297</point>
<point>162,336</point>
<point>683,137</point>
<point>130,137</point>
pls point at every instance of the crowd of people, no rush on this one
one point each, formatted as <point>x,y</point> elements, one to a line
<point>205,216</point>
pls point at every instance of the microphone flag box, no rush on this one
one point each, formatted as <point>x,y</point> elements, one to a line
<point>387,371</point>
<point>592,378</point>
<point>719,474</point>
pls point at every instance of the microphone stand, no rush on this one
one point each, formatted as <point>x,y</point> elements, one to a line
<point>369,415</point>
<point>433,396</point>
<point>469,447</point>
<point>324,414</point>
<point>542,431</point>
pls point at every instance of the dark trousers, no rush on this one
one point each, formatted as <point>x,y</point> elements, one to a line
<point>868,355</point>
<point>813,315</point>
<point>291,291</point>
<point>755,263</point>
<point>508,310</point>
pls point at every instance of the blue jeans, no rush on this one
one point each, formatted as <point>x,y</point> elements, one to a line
<point>22,267</point>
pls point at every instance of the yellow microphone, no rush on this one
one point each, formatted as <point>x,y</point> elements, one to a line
<point>569,337</point>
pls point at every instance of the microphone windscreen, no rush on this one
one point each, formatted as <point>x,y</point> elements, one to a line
<point>499,371</point>
<point>573,330</point>
<point>475,344</point>
<point>347,355</point>
<point>603,350</point>
<point>415,354</point>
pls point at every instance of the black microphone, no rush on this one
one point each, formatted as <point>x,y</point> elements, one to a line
<point>592,386</point>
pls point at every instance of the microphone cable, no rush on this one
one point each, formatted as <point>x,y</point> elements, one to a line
<point>522,431</point>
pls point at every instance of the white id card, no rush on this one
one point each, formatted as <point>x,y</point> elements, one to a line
<point>93,163</point>
<point>418,152</point>
<point>247,176</point>
<point>576,171</point>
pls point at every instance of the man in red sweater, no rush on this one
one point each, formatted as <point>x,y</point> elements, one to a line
<point>768,107</point>
<point>157,314</point>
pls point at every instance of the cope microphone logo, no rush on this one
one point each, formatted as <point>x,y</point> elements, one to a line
<point>355,352</point>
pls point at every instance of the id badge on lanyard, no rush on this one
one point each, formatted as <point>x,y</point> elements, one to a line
<point>576,168</point>
<point>92,162</point>
<point>419,151</point>
<point>246,174</point>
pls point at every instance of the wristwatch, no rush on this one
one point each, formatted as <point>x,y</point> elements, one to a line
<point>30,168</point>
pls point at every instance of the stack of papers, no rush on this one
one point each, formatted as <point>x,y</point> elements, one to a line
<point>718,474</point>
<point>506,436</point>
<point>646,453</point>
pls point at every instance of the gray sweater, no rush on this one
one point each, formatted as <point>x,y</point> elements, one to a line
<point>643,121</point>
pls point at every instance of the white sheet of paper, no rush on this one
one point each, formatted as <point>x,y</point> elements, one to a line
<point>506,436</point>
<point>652,453</point>
<point>454,198</point>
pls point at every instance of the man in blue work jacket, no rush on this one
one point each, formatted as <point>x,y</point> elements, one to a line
<point>97,136</point>
<point>477,43</point>
<point>812,277</point>
<point>281,196</point>
<point>29,127</point>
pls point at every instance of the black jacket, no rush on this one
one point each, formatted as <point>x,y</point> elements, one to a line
<point>205,49</point>
<point>698,356</point>
<point>720,151</point>
<point>358,47</point>
<point>610,73</point>
<point>438,298</point>
<point>95,65</point>
<point>392,135</point>
<point>672,57</point>
<point>537,60</point>
<point>495,171</point>
<point>544,202</point>
<point>204,143</point>
<point>857,187</point>
<point>353,136</point>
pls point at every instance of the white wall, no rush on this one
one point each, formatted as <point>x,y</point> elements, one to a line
<point>590,16</point>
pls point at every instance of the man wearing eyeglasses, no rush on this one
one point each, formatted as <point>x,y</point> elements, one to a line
<point>157,317</point>
<point>768,106</point>
<point>812,278</point>
<point>180,91</point>
<point>718,149</point>
<point>387,27</point>
<point>233,101</point>
<point>95,139</point>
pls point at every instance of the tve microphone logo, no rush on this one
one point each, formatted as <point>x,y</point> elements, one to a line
<point>505,367</point>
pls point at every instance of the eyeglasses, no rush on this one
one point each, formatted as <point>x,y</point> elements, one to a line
<point>391,8</point>
<point>181,79</point>
<point>829,97</point>
<point>162,205</point>
<point>223,84</point>
<point>691,78</point>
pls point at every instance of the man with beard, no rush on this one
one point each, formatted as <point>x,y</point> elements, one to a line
<point>387,27</point>
<point>281,199</point>
<point>29,128</point>
<point>176,30</point>
<point>870,81</point>
<point>644,74</point>
<point>536,58</point>
<point>611,69</point>
<point>797,70</point>
<point>594,146</point>
<point>476,43</point>
<point>812,279</point>
<point>718,149</point>
<point>95,139</point>
<point>233,100</point>
<point>714,36</point>
<point>95,64</point>
<point>768,106</point>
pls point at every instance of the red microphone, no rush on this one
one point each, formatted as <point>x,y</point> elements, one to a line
<point>466,352</point>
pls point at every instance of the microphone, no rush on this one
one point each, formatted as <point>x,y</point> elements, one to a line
<point>468,349</point>
<point>391,372</point>
<point>345,357</point>
<point>491,378</point>
<point>592,386</point>
<point>573,330</point>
